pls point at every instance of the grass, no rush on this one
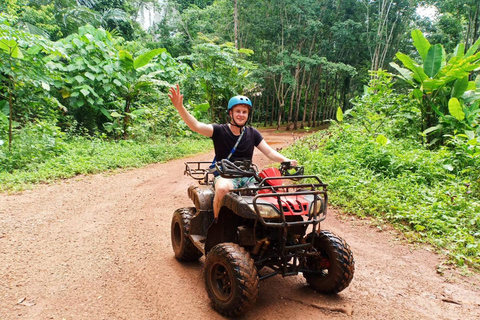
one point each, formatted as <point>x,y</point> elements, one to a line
<point>85,156</point>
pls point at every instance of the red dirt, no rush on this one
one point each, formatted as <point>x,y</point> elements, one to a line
<point>98,247</point>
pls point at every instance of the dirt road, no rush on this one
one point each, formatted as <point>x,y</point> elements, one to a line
<point>98,247</point>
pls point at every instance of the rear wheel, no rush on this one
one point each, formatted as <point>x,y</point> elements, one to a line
<point>331,263</point>
<point>231,279</point>
<point>183,247</point>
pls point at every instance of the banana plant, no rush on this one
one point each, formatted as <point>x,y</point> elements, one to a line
<point>447,98</point>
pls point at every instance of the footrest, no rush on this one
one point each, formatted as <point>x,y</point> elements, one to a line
<point>199,242</point>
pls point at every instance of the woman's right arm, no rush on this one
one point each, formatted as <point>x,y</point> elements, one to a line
<point>177,99</point>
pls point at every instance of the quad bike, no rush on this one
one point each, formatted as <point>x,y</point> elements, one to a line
<point>268,228</point>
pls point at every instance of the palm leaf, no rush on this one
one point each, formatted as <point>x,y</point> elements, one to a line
<point>455,109</point>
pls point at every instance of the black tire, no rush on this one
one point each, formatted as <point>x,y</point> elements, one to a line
<point>183,247</point>
<point>333,259</point>
<point>231,279</point>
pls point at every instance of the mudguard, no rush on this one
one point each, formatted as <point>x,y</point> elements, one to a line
<point>238,205</point>
<point>202,197</point>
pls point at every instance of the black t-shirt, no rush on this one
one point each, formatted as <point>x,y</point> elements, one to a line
<point>224,140</point>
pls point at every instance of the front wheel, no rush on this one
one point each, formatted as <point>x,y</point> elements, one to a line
<point>330,265</point>
<point>231,279</point>
<point>183,247</point>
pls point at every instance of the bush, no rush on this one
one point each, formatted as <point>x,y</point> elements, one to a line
<point>33,144</point>
<point>401,182</point>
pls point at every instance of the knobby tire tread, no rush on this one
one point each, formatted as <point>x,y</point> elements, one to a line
<point>187,250</point>
<point>246,278</point>
<point>343,265</point>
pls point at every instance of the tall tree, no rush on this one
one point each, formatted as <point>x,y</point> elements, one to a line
<point>468,11</point>
<point>221,71</point>
<point>387,22</point>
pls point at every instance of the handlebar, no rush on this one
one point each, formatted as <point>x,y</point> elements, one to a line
<point>286,169</point>
<point>199,170</point>
<point>237,169</point>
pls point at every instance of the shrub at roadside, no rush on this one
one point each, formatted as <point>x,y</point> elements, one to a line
<point>401,182</point>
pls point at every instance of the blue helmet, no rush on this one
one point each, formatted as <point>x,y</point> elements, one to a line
<point>238,100</point>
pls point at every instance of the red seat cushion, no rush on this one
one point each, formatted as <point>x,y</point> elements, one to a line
<point>272,172</point>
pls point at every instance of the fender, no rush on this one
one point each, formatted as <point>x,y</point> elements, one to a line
<point>237,204</point>
<point>234,210</point>
<point>202,197</point>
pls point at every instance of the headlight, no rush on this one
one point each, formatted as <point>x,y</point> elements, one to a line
<point>319,206</point>
<point>266,212</point>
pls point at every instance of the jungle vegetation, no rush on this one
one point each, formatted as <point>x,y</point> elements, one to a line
<point>83,89</point>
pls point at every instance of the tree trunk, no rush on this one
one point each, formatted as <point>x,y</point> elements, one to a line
<point>325,99</point>
<point>280,109</point>
<point>126,119</point>
<point>383,35</point>
<point>297,103</point>
<point>313,112</point>
<point>345,87</point>
<point>333,109</point>
<point>307,89</point>
<point>290,111</point>
<point>272,113</point>
<point>292,97</point>
<point>266,111</point>
<point>11,84</point>
<point>235,22</point>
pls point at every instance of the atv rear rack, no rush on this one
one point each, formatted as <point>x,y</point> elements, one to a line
<point>200,171</point>
<point>203,172</point>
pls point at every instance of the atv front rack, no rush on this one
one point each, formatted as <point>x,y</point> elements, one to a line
<point>292,255</point>
<point>282,193</point>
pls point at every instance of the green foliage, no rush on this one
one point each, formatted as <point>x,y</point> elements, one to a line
<point>137,81</point>
<point>184,4</point>
<point>442,86</point>
<point>145,109</point>
<point>34,144</point>
<point>90,85</point>
<point>103,84</point>
<point>400,182</point>
<point>222,72</point>
<point>100,14</point>
<point>40,19</point>
<point>24,71</point>
<point>448,31</point>
<point>382,111</point>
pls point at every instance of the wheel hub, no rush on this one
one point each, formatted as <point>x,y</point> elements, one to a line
<point>221,282</point>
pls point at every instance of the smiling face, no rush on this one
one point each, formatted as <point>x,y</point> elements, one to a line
<point>239,114</point>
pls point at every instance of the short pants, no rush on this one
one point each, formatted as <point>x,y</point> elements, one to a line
<point>238,182</point>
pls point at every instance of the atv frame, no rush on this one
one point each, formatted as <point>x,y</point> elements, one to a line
<point>272,225</point>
